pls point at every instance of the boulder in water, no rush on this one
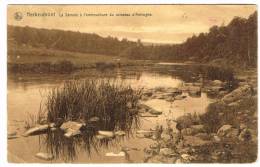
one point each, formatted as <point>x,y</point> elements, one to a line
<point>107,134</point>
<point>38,129</point>
<point>112,154</point>
<point>71,128</point>
<point>44,156</point>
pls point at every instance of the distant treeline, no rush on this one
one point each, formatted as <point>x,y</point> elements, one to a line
<point>234,43</point>
<point>42,67</point>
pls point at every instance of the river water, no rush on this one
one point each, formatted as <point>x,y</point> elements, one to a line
<point>26,93</point>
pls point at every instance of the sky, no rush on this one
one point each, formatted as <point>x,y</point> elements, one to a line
<point>162,23</point>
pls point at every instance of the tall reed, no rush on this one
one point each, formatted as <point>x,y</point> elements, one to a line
<point>79,100</point>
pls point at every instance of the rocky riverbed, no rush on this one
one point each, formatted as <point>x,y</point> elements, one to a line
<point>226,133</point>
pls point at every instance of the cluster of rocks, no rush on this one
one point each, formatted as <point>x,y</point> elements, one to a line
<point>172,147</point>
<point>213,88</point>
<point>70,129</point>
<point>191,146</point>
<point>196,144</point>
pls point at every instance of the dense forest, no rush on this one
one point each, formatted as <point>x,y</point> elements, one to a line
<point>234,43</point>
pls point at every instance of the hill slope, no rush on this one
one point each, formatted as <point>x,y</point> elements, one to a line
<point>234,44</point>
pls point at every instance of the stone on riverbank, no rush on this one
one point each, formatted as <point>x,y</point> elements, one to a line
<point>228,131</point>
<point>112,154</point>
<point>44,156</point>
<point>224,130</point>
<point>237,94</point>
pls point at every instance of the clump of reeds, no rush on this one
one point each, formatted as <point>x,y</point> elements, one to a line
<point>79,100</point>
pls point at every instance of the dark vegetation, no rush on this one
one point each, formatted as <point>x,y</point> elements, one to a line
<point>63,66</point>
<point>232,44</point>
<point>229,114</point>
<point>113,103</point>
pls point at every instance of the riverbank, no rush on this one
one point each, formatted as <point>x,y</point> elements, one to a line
<point>226,133</point>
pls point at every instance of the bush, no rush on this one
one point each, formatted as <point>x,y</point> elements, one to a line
<point>213,120</point>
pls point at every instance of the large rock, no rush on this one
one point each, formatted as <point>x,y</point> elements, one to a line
<point>71,128</point>
<point>107,134</point>
<point>224,130</point>
<point>112,154</point>
<point>228,131</point>
<point>38,129</point>
<point>44,156</point>
<point>237,94</point>
<point>217,83</point>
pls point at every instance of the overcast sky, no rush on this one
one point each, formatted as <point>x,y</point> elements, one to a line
<point>168,23</point>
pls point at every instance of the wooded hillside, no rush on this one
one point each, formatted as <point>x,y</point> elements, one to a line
<point>234,43</point>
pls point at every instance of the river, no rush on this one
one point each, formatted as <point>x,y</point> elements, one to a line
<point>26,93</point>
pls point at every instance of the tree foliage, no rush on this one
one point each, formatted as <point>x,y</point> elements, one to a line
<point>235,43</point>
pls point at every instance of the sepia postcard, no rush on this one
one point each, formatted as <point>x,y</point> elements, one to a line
<point>132,83</point>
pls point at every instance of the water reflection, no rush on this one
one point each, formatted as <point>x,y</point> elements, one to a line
<point>86,143</point>
<point>26,91</point>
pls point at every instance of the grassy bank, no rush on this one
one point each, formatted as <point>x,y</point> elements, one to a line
<point>25,59</point>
